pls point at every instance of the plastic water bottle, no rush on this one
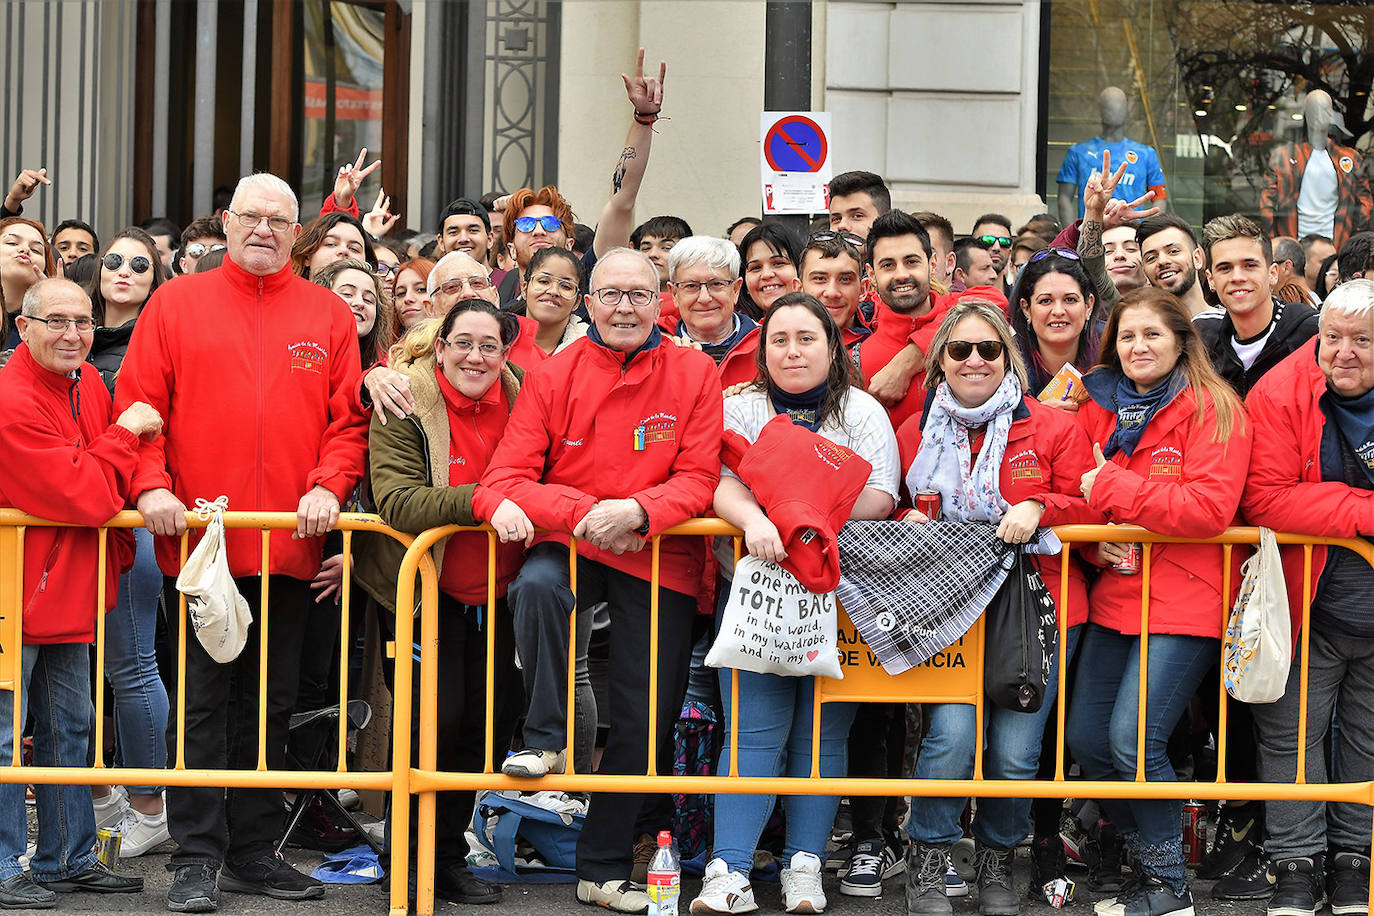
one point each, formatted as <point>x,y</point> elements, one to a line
<point>665,878</point>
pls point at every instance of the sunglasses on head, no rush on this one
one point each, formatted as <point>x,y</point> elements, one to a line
<point>990,240</point>
<point>197,250</point>
<point>960,350</point>
<point>139,264</point>
<point>826,235</point>
<point>1062,252</point>
<point>527,223</point>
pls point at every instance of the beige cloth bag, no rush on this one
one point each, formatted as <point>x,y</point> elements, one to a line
<point>1259,651</point>
<point>218,612</point>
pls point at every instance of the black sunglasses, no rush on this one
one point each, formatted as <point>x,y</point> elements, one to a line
<point>139,264</point>
<point>960,350</point>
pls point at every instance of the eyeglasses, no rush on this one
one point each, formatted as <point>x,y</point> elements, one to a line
<point>477,284</point>
<point>566,288</point>
<point>464,346</point>
<point>385,270</point>
<point>254,220</point>
<point>960,350</point>
<point>990,240</point>
<point>527,223</point>
<point>691,289</point>
<point>1062,252</point>
<point>639,298</point>
<point>139,264</point>
<point>60,325</point>
<point>826,235</point>
<point>197,250</point>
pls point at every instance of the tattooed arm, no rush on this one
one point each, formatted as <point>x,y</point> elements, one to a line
<point>617,217</point>
<point>1096,194</point>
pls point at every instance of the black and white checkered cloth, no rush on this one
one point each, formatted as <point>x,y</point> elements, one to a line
<point>912,590</point>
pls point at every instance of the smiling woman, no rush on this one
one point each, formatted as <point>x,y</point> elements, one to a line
<point>366,296</point>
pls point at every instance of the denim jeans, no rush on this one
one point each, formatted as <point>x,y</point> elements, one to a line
<point>57,682</point>
<point>1011,750</point>
<point>1340,678</point>
<point>775,729</point>
<point>1105,703</point>
<point>140,707</point>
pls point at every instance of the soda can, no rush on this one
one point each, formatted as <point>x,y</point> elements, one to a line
<point>1059,892</point>
<point>1194,832</point>
<point>928,503</point>
<point>1130,564</point>
<point>107,847</point>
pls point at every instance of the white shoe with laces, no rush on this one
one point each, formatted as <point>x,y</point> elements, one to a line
<point>109,811</point>
<point>140,833</point>
<point>801,885</point>
<point>723,891</point>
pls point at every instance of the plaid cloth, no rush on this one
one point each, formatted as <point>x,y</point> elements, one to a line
<point>912,590</point>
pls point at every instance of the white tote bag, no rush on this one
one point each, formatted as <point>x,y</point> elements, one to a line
<point>218,612</point>
<point>1259,650</point>
<point>773,625</point>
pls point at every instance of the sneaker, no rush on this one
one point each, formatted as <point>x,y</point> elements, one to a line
<point>801,884</point>
<point>645,847</point>
<point>620,896</point>
<point>1048,862</point>
<point>837,860</point>
<point>141,832</point>
<point>270,876</point>
<point>193,890</point>
<point>996,888</point>
<point>955,885</point>
<point>1252,879</point>
<point>98,879</point>
<point>21,892</point>
<point>1238,832</point>
<point>457,884</point>
<point>1104,860</point>
<point>109,811</point>
<point>1147,897</point>
<point>863,875</point>
<point>926,867</point>
<point>1347,884</point>
<point>894,855</point>
<point>531,763</point>
<point>723,891</point>
<point>1298,889</point>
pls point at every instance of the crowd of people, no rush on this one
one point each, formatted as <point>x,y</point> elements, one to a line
<point>516,369</point>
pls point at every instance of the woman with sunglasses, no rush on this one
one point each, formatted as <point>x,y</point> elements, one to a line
<point>803,372</point>
<point>1052,307</point>
<point>127,274</point>
<point>424,473</point>
<point>770,254</point>
<point>331,237</point>
<point>1172,447</point>
<point>997,455</point>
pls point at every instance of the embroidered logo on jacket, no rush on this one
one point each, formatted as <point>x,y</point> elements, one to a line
<point>655,428</point>
<point>1025,465</point>
<point>307,356</point>
<point>1166,461</point>
<point>832,454</point>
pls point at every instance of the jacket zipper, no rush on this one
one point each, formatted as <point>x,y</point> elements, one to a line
<point>261,362</point>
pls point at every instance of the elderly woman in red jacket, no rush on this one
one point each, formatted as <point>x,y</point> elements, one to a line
<point>1171,445</point>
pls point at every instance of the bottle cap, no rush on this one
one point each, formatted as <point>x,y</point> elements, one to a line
<point>665,838</point>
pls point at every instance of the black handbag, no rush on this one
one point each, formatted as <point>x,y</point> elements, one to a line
<point>1020,638</point>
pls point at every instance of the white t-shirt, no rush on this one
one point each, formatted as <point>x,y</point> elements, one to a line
<point>1317,196</point>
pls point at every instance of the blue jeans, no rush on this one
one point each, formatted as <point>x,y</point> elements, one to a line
<point>1105,702</point>
<point>140,707</point>
<point>57,680</point>
<point>1011,751</point>
<point>775,740</point>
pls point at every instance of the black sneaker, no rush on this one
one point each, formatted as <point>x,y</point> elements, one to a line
<point>272,877</point>
<point>1252,879</point>
<point>1104,860</point>
<point>21,892</point>
<point>1347,883</point>
<point>1238,832</point>
<point>1148,897</point>
<point>1298,891</point>
<point>97,879</point>
<point>193,890</point>
<point>1048,862</point>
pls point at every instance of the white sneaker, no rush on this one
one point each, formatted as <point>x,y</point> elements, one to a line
<point>29,852</point>
<point>531,763</point>
<point>140,833</point>
<point>801,885</point>
<point>724,891</point>
<point>620,896</point>
<point>109,811</point>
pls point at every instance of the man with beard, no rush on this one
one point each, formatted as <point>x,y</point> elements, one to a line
<point>1171,258</point>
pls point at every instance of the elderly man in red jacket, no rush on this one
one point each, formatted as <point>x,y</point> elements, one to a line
<point>257,373</point>
<point>1312,472</point>
<point>612,441</point>
<point>68,463</point>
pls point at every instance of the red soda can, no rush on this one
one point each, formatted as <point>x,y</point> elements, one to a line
<point>1194,832</point>
<point>928,503</point>
<point>1130,564</point>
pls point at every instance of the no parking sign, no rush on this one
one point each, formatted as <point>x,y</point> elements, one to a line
<point>794,157</point>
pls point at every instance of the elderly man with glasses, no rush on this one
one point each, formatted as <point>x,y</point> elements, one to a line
<point>613,440</point>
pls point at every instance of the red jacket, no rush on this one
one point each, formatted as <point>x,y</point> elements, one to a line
<point>891,334</point>
<point>740,364</point>
<point>66,462</point>
<point>1285,490</point>
<point>1046,457</point>
<point>256,379</point>
<point>1180,483</point>
<point>587,428</point>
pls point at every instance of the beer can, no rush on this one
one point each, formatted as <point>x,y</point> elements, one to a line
<point>1130,564</point>
<point>1059,892</point>
<point>1194,832</point>
<point>928,503</point>
<point>107,841</point>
